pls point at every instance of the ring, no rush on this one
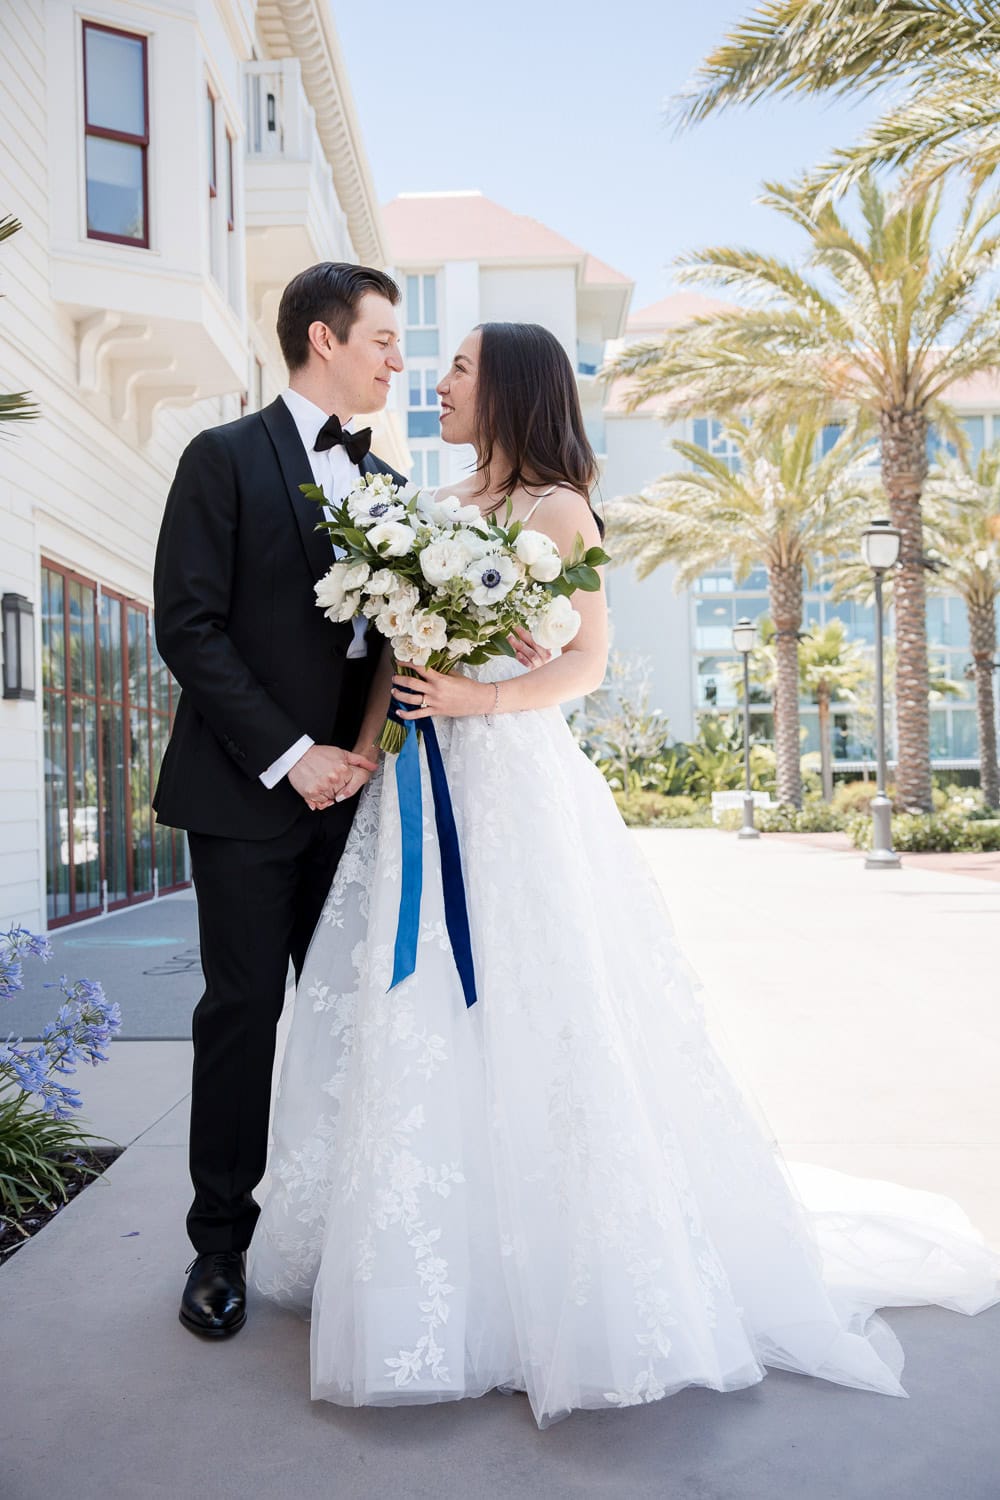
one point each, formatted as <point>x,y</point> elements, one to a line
<point>423,700</point>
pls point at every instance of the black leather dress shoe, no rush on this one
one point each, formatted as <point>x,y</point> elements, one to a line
<point>215,1298</point>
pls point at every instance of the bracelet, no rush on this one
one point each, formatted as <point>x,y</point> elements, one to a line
<point>496,697</point>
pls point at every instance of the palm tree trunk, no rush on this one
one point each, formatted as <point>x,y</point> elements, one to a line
<point>904,468</point>
<point>785,589</point>
<point>825,760</point>
<point>983,637</point>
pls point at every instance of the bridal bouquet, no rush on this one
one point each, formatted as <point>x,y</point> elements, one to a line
<point>444,583</point>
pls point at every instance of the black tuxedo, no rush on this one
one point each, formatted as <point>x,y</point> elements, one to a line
<point>237,624</point>
<point>259,666</point>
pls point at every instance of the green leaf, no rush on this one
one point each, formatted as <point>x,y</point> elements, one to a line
<point>595,557</point>
<point>313,492</point>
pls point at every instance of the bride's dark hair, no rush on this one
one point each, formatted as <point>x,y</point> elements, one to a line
<point>528,407</point>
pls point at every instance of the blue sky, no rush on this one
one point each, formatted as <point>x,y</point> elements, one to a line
<point>554,109</point>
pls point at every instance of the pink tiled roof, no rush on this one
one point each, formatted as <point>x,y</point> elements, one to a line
<point>428,228</point>
<point>670,311</point>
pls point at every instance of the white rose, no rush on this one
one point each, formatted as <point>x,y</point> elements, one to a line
<point>332,586</point>
<point>371,608</point>
<point>539,554</point>
<point>404,595</point>
<point>428,630</point>
<point>492,578</point>
<point>392,538</point>
<point>393,620</point>
<point>475,544</point>
<point>346,610</point>
<point>357,574</point>
<point>383,581</point>
<point>461,647</point>
<point>442,560</point>
<point>406,650</point>
<point>556,625</point>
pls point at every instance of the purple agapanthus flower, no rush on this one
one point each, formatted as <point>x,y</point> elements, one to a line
<point>83,1027</point>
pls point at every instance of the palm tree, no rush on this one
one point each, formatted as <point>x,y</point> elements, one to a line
<point>19,406</point>
<point>945,52</point>
<point>832,669</point>
<point>882,331</point>
<point>966,535</point>
<point>782,507</point>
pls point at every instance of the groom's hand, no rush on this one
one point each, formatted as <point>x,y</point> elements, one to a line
<point>323,771</point>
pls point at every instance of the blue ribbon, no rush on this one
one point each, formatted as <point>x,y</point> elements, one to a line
<point>411,821</point>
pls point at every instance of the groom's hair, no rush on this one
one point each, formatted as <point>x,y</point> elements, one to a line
<point>326,293</point>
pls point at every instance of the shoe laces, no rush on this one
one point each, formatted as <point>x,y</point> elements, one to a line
<point>220,1259</point>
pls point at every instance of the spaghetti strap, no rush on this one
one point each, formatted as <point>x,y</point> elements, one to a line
<point>538,502</point>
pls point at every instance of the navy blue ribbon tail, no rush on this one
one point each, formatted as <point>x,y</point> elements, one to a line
<point>456,912</point>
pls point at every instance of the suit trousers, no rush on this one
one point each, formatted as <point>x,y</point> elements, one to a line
<point>258,903</point>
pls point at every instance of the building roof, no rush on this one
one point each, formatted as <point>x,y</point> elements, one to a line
<point>428,228</point>
<point>669,312</point>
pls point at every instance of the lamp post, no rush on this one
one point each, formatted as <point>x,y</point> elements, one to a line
<point>744,636</point>
<point>880,547</point>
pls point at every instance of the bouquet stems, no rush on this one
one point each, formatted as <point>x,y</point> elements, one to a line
<point>393,731</point>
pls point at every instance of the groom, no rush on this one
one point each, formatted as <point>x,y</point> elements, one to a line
<point>272,697</point>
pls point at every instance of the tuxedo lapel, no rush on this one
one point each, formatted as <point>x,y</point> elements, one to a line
<point>295,469</point>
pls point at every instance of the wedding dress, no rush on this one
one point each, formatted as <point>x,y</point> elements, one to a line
<point>562,1188</point>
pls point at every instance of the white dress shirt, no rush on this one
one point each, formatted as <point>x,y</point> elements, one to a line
<point>336,476</point>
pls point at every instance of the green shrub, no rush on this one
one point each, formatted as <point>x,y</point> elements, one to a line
<point>653,810</point>
<point>941,832</point>
<point>855,796</point>
<point>814,817</point>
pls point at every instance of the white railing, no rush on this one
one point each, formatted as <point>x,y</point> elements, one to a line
<point>281,125</point>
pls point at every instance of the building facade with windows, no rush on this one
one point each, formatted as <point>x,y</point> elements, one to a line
<point>686,639</point>
<point>173,165</point>
<point>461,260</point>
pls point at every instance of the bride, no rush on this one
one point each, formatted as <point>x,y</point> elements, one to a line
<point>561,1189</point>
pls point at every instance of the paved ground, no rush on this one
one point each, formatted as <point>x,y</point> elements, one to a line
<point>146,957</point>
<point>862,1006</point>
<point>984,866</point>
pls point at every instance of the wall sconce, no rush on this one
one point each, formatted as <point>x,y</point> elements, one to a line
<point>18,646</point>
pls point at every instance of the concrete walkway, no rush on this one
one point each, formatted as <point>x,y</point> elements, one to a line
<point>861,1007</point>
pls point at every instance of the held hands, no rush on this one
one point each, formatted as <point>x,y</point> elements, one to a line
<point>326,774</point>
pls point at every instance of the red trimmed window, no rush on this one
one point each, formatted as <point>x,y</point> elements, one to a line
<point>116,126</point>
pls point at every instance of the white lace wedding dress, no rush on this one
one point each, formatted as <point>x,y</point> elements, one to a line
<point>562,1188</point>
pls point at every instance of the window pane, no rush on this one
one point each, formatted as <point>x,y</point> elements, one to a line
<point>53,642</point>
<point>430,301</point>
<point>413,299</point>
<point>111,649</point>
<point>86,852</point>
<point>974,428</point>
<point>114,189</point>
<point>56,808</point>
<point>210,134</point>
<point>430,381</point>
<point>116,91</point>
<point>964,734</point>
<point>714,623</point>
<point>422,424</point>
<point>113,809</point>
<point>422,341</point>
<point>414,386</point>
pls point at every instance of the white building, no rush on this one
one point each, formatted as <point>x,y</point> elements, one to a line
<point>461,260</point>
<point>686,639</point>
<point>173,165</point>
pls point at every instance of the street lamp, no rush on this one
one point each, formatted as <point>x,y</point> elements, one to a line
<point>744,638</point>
<point>880,547</point>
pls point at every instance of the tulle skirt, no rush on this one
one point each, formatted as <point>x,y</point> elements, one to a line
<point>561,1189</point>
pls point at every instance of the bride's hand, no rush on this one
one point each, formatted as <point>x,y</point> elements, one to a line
<point>527,650</point>
<point>428,694</point>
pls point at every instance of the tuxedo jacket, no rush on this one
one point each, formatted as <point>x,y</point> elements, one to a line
<point>237,623</point>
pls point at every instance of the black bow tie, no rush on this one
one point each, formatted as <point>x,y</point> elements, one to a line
<point>356,444</point>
